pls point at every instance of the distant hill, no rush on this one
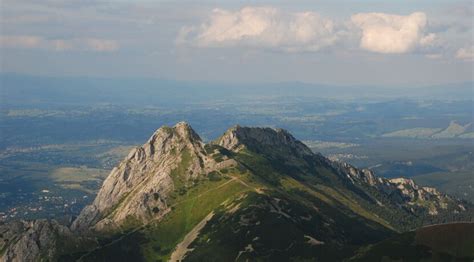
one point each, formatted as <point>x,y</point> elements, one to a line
<point>16,90</point>
<point>454,130</point>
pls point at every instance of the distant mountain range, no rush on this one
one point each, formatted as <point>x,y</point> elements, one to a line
<point>18,90</point>
<point>454,130</point>
<point>252,194</point>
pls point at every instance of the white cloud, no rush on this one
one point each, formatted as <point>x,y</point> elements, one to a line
<point>75,44</point>
<point>23,41</point>
<point>263,27</point>
<point>272,28</point>
<point>388,33</point>
<point>466,53</point>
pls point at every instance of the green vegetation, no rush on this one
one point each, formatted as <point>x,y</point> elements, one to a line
<point>185,215</point>
<point>260,166</point>
<point>214,176</point>
<point>177,174</point>
<point>156,241</point>
<point>449,242</point>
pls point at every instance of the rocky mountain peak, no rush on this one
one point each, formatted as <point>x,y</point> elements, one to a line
<point>262,139</point>
<point>165,139</point>
<point>140,184</point>
<point>185,130</point>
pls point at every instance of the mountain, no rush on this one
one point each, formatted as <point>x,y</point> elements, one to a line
<point>252,193</point>
<point>45,91</point>
<point>454,130</point>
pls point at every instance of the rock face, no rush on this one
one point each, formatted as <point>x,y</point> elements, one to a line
<point>138,189</point>
<point>402,191</point>
<point>30,241</point>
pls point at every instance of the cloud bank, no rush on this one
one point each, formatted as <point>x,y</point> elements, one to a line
<point>263,27</point>
<point>387,33</point>
<point>75,44</point>
<point>275,29</point>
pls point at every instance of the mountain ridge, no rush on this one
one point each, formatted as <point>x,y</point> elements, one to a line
<point>262,181</point>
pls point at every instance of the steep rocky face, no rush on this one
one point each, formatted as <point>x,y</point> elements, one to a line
<point>30,240</point>
<point>138,189</point>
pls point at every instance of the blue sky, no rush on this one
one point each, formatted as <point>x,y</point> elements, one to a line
<point>335,42</point>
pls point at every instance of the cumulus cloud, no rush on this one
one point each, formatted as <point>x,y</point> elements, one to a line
<point>75,44</point>
<point>264,27</point>
<point>272,28</point>
<point>466,53</point>
<point>388,33</point>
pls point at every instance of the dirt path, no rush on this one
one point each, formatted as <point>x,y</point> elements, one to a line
<point>182,248</point>
<point>256,189</point>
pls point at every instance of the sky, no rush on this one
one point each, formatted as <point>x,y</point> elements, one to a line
<point>337,42</point>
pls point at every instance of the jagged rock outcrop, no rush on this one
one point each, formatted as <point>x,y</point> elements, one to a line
<point>402,191</point>
<point>354,174</point>
<point>137,189</point>
<point>31,240</point>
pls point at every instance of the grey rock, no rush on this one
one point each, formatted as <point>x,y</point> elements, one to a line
<point>402,191</point>
<point>263,139</point>
<point>31,240</point>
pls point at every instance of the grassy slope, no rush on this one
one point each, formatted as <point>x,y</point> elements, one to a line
<point>294,204</point>
<point>315,211</point>
<point>448,242</point>
<point>273,226</point>
<point>186,215</point>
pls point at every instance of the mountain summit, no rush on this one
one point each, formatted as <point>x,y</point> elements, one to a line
<point>262,139</point>
<point>252,193</point>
